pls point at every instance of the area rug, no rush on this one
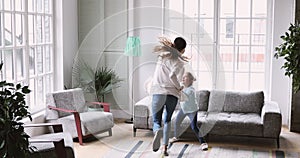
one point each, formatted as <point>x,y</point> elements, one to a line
<point>143,149</point>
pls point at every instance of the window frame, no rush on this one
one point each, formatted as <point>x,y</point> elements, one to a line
<point>35,100</point>
<point>216,40</point>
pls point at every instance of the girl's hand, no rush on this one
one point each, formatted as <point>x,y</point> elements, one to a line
<point>181,88</point>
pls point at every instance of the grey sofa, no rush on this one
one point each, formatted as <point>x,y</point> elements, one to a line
<point>224,113</point>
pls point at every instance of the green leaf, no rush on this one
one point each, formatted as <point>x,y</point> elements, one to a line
<point>2,143</point>
<point>18,86</point>
<point>289,49</point>
<point>26,90</point>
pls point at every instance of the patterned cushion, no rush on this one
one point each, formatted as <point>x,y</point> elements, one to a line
<point>202,96</point>
<point>241,102</point>
<point>50,114</point>
<point>251,102</point>
<point>72,99</point>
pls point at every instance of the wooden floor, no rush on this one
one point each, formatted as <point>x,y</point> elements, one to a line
<point>95,148</point>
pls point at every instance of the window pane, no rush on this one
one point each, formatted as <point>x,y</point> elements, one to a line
<point>1,27</point>
<point>175,8</point>
<point>19,29</point>
<point>1,5</point>
<point>241,82</point>
<point>243,8</point>
<point>21,67</point>
<point>191,8</point>
<point>256,81</point>
<point>39,6</point>
<point>225,80</point>
<point>39,90</point>
<point>3,67</point>
<point>204,58</point>
<point>48,83</point>
<point>48,64</point>
<point>227,8</point>
<point>9,67</point>
<point>32,94</point>
<point>259,29</point>
<point>226,31</point>
<point>31,5</point>
<point>226,58</point>
<point>258,59</point>
<point>48,6</point>
<point>31,29</point>
<point>47,29</point>
<point>7,4</point>
<point>175,25</point>
<point>242,31</point>
<point>32,61</point>
<point>242,57</point>
<point>204,80</point>
<point>19,5</point>
<point>206,32</point>
<point>8,29</point>
<point>39,29</point>
<point>259,8</point>
<point>39,59</point>
<point>190,26</point>
<point>206,8</point>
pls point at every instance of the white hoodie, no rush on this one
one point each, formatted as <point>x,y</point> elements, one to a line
<point>166,77</point>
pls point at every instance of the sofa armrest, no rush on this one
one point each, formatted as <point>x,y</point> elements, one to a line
<point>57,127</point>
<point>141,113</point>
<point>272,119</point>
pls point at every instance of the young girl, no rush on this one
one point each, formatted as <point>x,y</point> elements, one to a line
<point>189,108</point>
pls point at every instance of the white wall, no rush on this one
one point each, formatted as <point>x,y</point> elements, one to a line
<point>280,84</point>
<point>70,37</point>
<point>148,22</point>
<point>66,41</point>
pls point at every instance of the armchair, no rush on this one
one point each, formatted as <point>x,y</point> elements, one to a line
<point>57,144</point>
<point>69,108</point>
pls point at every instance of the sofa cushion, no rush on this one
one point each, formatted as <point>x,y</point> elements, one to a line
<point>240,102</point>
<point>249,102</point>
<point>216,101</point>
<point>202,99</point>
<point>238,124</point>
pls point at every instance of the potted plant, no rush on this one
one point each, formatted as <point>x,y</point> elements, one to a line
<point>97,83</point>
<point>290,51</point>
<point>105,81</point>
<point>13,140</point>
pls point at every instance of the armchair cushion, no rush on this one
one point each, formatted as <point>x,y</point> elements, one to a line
<point>88,123</point>
<point>74,97</point>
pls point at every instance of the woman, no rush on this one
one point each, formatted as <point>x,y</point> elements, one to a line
<point>166,87</point>
<point>189,108</point>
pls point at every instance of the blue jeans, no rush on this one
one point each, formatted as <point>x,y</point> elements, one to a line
<point>193,118</point>
<point>159,101</point>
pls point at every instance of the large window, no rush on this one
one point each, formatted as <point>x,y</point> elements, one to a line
<point>227,40</point>
<point>26,46</point>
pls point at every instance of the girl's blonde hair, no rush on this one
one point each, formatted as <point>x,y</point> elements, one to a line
<point>190,76</point>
